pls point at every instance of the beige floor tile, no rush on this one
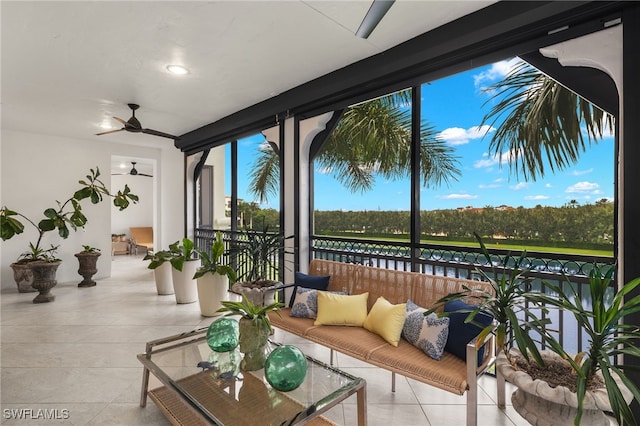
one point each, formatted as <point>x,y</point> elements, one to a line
<point>79,354</point>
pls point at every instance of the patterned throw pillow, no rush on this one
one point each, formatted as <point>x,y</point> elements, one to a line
<point>428,333</point>
<point>305,304</point>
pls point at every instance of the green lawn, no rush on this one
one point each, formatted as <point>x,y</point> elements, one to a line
<point>504,246</point>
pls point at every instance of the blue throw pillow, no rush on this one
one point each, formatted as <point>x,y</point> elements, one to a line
<point>461,333</point>
<point>309,281</point>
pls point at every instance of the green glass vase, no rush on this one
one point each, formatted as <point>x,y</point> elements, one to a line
<point>285,368</point>
<point>222,335</point>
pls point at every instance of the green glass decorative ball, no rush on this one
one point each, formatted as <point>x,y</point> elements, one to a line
<point>222,335</point>
<point>285,368</point>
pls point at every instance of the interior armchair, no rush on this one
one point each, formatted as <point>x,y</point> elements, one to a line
<point>142,237</point>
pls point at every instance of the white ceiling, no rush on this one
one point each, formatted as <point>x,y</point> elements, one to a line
<point>68,67</point>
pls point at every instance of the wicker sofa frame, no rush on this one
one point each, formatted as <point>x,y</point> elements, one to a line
<point>451,373</point>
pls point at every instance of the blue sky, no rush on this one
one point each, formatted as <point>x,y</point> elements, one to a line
<point>454,105</point>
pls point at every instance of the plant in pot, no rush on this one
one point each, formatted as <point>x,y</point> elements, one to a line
<point>257,254</point>
<point>596,382</point>
<point>63,218</point>
<point>255,329</point>
<point>520,314</point>
<point>87,260</point>
<point>161,266</point>
<point>184,264</point>
<point>213,278</point>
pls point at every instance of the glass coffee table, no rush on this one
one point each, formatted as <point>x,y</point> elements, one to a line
<point>197,395</point>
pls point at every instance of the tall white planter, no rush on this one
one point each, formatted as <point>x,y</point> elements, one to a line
<point>184,285</point>
<point>212,290</point>
<point>162,275</point>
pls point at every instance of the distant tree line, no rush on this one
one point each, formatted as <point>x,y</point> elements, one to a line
<point>588,224</point>
<point>572,223</point>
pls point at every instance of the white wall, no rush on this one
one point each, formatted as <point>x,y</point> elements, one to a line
<point>140,214</point>
<point>38,169</point>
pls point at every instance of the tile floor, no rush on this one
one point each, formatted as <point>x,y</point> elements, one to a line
<point>76,358</point>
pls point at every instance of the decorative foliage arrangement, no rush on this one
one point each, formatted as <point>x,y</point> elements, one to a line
<point>66,216</point>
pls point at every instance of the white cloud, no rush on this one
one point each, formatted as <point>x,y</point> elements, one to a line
<point>582,172</point>
<point>488,161</point>
<point>324,170</point>
<point>519,186</point>
<point>548,185</point>
<point>536,197</point>
<point>459,136</point>
<point>489,186</point>
<point>583,187</point>
<point>458,197</point>
<point>497,71</point>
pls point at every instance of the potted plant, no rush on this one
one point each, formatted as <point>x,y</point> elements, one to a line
<point>255,329</point>
<point>161,266</point>
<point>257,254</point>
<point>43,265</point>
<point>593,382</point>
<point>518,312</point>
<point>184,264</point>
<point>22,272</point>
<point>87,260</point>
<point>64,217</point>
<point>213,278</point>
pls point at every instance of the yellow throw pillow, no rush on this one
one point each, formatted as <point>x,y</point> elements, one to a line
<point>386,320</point>
<point>338,309</point>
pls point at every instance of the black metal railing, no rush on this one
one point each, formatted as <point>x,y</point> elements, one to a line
<point>459,262</point>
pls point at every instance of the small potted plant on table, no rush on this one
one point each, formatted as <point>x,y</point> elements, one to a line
<point>255,329</point>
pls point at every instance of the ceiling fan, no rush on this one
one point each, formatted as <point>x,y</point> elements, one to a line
<point>134,126</point>
<point>133,171</point>
<point>373,17</point>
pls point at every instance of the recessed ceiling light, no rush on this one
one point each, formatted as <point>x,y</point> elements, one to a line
<point>177,69</point>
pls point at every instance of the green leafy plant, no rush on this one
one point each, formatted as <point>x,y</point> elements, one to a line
<point>181,253</point>
<point>158,258</point>
<point>607,333</point>
<point>211,264</point>
<point>89,249</point>
<point>260,251</point>
<point>250,311</point>
<point>66,216</point>
<point>46,255</point>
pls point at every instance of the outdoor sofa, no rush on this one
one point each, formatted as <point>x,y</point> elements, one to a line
<point>450,372</point>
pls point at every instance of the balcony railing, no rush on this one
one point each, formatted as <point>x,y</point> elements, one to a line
<point>460,262</point>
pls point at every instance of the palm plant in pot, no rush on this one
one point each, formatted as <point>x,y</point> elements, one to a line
<point>66,216</point>
<point>255,328</point>
<point>213,278</point>
<point>184,264</point>
<point>257,254</point>
<point>520,314</point>
<point>595,382</point>
<point>161,266</point>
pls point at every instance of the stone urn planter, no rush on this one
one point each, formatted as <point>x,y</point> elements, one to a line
<point>44,279</point>
<point>540,404</point>
<point>261,293</point>
<point>87,268</point>
<point>23,276</point>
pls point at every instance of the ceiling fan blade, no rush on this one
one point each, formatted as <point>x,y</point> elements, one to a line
<point>144,174</point>
<point>373,17</point>
<point>110,131</point>
<point>124,123</point>
<point>158,133</point>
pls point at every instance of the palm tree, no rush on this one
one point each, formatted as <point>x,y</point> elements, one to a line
<point>539,122</point>
<point>372,138</point>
